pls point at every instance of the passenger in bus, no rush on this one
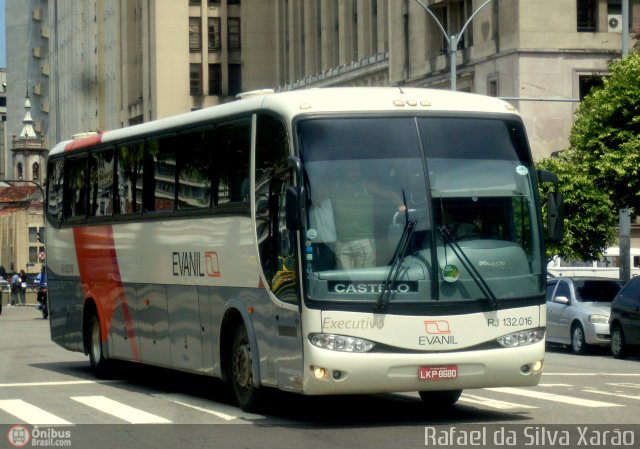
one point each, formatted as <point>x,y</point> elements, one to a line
<point>323,230</point>
<point>353,200</point>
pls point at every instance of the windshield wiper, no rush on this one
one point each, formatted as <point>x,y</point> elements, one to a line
<point>475,275</point>
<point>398,256</point>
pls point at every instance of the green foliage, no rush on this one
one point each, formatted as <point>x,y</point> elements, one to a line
<point>590,218</point>
<point>599,172</point>
<point>605,137</point>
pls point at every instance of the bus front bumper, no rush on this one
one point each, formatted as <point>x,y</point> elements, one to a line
<point>331,372</point>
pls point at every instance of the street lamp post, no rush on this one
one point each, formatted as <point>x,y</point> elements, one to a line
<point>452,41</point>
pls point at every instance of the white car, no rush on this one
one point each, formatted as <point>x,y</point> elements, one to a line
<point>578,311</point>
<point>4,285</point>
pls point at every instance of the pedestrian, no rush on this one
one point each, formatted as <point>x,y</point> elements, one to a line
<point>41,281</point>
<point>23,287</point>
<point>15,288</point>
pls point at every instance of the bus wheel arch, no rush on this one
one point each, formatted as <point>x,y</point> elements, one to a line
<point>239,359</point>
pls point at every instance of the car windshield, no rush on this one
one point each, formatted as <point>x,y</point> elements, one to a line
<point>596,290</point>
<point>464,186</point>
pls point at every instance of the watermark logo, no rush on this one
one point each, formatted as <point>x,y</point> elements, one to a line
<point>18,436</point>
<point>21,436</point>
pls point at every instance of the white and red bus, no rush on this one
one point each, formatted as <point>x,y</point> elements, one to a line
<point>324,241</point>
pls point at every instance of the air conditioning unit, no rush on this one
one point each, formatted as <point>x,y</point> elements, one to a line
<point>614,23</point>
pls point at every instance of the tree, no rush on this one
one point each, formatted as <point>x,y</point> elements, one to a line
<point>589,221</point>
<point>599,172</point>
<point>605,137</point>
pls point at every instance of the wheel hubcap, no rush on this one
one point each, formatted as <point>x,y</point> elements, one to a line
<point>616,341</point>
<point>242,366</point>
<point>96,347</point>
<point>577,339</point>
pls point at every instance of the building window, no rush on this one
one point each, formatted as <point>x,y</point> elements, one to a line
<point>195,79</point>
<point>36,171</point>
<point>20,171</point>
<point>33,234</point>
<point>587,15</point>
<point>215,79</point>
<point>588,82</point>
<point>214,2</point>
<point>235,80</point>
<point>194,34</point>
<point>233,2</point>
<point>195,2</point>
<point>233,25</point>
<point>214,34</point>
<point>492,88</point>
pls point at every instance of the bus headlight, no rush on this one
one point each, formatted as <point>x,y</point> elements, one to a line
<point>522,338</point>
<point>340,343</point>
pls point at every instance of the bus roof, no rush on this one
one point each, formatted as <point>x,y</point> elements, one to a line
<point>309,101</point>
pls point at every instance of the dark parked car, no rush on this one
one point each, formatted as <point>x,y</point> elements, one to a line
<point>625,319</point>
<point>578,311</point>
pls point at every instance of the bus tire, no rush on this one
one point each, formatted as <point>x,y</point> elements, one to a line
<point>99,364</point>
<point>440,399</point>
<point>247,395</point>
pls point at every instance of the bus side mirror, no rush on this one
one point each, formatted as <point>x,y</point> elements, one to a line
<point>292,209</point>
<point>555,207</point>
<point>555,216</point>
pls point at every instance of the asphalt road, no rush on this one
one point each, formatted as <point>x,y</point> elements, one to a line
<point>51,395</point>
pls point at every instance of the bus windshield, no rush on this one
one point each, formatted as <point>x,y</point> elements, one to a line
<point>464,184</point>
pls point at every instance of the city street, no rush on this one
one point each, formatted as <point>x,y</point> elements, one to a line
<point>49,389</point>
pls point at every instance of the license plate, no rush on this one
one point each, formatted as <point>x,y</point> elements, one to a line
<point>442,372</point>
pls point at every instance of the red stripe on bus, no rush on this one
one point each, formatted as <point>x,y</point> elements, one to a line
<point>84,142</point>
<point>100,277</point>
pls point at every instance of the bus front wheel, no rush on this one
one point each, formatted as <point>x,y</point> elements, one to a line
<point>247,395</point>
<point>99,364</point>
<point>440,399</point>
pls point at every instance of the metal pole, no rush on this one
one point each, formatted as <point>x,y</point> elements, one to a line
<point>625,28</point>
<point>624,244</point>
<point>452,41</point>
<point>453,61</point>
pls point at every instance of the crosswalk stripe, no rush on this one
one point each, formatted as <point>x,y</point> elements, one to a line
<point>608,393</point>
<point>120,410</point>
<point>29,413</point>
<point>625,385</point>
<point>554,397</point>
<point>226,412</point>
<point>493,403</point>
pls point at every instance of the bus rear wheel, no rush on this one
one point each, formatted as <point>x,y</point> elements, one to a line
<point>247,395</point>
<point>99,364</point>
<point>440,399</point>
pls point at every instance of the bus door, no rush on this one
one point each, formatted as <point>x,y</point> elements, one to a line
<point>280,266</point>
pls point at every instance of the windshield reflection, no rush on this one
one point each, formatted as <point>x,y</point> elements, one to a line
<point>365,180</point>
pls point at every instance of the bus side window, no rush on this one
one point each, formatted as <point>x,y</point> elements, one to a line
<point>101,183</point>
<point>75,195</point>
<point>159,191</point>
<point>194,169</point>
<point>55,188</point>
<point>129,178</point>
<point>231,161</point>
